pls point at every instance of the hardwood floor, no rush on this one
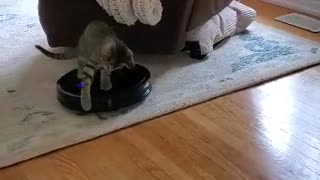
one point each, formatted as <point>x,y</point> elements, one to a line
<point>271,131</point>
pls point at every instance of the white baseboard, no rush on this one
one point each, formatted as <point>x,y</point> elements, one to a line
<point>311,7</point>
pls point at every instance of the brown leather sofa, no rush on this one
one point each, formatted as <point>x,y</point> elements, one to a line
<point>64,20</point>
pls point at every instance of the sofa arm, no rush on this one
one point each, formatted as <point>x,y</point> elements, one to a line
<point>63,22</point>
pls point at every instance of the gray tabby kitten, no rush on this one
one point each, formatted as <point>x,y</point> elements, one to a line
<point>97,49</point>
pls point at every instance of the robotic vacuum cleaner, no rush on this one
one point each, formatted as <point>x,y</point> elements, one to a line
<point>129,86</point>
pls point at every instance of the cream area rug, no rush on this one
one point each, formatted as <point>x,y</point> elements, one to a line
<point>32,121</point>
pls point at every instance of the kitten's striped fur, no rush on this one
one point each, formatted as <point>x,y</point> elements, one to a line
<point>97,49</point>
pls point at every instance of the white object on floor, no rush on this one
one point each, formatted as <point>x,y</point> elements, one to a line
<point>245,15</point>
<point>129,11</point>
<point>233,19</point>
<point>301,21</point>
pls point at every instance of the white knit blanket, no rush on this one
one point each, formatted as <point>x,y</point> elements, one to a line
<point>129,11</point>
<point>233,19</point>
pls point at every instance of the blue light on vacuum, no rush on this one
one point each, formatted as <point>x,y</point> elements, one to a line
<point>80,85</point>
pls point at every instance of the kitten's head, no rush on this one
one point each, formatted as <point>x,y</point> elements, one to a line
<point>116,55</point>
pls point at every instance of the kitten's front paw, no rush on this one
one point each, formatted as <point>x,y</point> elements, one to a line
<point>86,103</point>
<point>79,74</point>
<point>105,81</point>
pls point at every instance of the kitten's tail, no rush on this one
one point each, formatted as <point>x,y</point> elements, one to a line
<point>68,55</point>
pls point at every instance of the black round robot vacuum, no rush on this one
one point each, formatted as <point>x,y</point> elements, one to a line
<point>129,86</point>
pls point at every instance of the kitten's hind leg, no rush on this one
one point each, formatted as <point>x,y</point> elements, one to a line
<point>105,80</point>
